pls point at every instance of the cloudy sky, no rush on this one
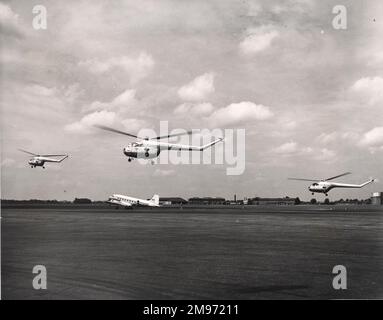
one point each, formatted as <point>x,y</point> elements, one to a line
<point>308,95</point>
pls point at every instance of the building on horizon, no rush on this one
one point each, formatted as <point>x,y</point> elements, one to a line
<point>207,201</point>
<point>168,201</point>
<point>377,198</point>
<point>272,201</point>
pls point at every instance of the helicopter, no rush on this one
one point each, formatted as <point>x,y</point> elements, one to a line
<point>149,148</point>
<point>324,186</point>
<point>38,160</point>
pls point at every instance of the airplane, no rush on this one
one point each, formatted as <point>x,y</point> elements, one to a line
<point>127,201</point>
<point>324,186</point>
<point>38,160</point>
<point>149,148</point>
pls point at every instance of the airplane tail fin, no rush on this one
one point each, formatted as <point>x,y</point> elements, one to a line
<point>155,199</point>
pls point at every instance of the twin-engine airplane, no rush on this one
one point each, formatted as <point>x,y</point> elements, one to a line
<point>38,160</point>
<point>324,186</point>
<point>127,201</point>
<point>149,148</point>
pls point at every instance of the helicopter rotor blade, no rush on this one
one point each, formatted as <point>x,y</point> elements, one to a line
<point>341,175</point>
<point>299,179</point>
<point>117,131</point>
<point>31,153</point>
<point>172,135</point>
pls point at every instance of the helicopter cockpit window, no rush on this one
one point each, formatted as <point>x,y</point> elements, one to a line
<point>315,184</point>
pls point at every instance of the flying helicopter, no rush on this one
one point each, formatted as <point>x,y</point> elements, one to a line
<point>324,186</point>
<point>38,160</point>
<point>149,148</point>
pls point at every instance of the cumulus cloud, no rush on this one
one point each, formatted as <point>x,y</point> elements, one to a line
<point>40,90</point>
<point>118,111</point>
<point>124,100</point>
<point>40,98</point>
<point>326,155</point>
<point>103,117</point>
<point>350,136</point>
<point>291,148</point>
<point>295,6</point>
<point>72,93</point>
<point>373,138</point>
<point>374,58</point>
<point>236,113</point>
<point>137,68</point>
<point>370,89</point>
<point>326,138</point>
<point>254,8</point>
<point>258,39</point>
<point>7,15</point>
<point>198,89</point>
<point>286,148</point>
<point>134,125</point>
<point>199,109</point>
<point>9,22</point>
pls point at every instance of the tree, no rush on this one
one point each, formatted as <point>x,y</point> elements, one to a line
<point>82,200</point>
<point>326,201</point>
<point>313,201</point>
<point>297,201</point>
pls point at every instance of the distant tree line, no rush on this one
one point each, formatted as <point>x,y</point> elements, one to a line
<point>296,201</point>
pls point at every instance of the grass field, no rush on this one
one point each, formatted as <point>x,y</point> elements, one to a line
<point>164,253</point>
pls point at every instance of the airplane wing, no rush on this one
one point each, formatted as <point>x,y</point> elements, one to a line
<point>125,204</point>
<point>119,202</point>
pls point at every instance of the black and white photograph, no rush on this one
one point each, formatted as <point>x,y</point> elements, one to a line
<point>205,151</point>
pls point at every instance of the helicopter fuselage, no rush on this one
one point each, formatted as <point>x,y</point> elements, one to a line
<point>321,187</point>
<point>141,151</point>
<point>36,162</point>
<point>149,149</point>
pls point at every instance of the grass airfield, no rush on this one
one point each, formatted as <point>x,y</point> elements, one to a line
<point>251,252</point>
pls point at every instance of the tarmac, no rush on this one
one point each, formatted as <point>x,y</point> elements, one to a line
<point>193,253</point>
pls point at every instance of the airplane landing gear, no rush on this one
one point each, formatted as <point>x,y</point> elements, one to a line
<point>312,193</point>
<point>130,159</point>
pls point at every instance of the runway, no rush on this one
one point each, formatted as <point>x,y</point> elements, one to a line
<point>252,253</point>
